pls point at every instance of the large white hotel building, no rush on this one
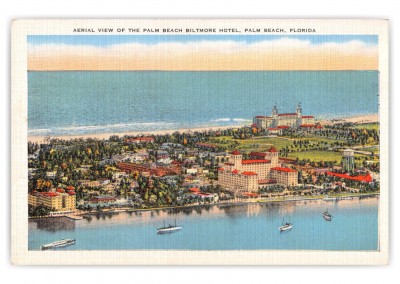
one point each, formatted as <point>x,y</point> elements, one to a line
<point>240,175</point>
<point>284,120</point>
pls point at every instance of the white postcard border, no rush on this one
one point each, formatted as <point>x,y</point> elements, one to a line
<point>19,180</point>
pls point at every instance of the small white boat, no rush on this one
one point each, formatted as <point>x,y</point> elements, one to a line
<point>168,229</point>
<point>58,244</point>
<point>329,198</point>
<point>346,198</point>
<point>327,216</point>
<point>285,226</point>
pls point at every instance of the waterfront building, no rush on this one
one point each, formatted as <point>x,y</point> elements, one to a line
<point>248,175</point>
<point>286,176</point>
<point>57,201</point>
<point>279,121</point>
<point>102,199</point>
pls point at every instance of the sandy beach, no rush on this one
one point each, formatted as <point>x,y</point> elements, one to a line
<point>369,118</point>
<point>42,139</point>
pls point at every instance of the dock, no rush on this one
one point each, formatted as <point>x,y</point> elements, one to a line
<point>74,217</point>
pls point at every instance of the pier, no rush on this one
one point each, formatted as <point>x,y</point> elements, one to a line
<point>74,217</point>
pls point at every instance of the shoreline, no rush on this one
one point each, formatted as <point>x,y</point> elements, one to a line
<point>105,136</point>
<point>358,119</point>
<point>234,203</point>
<point>370,118</point>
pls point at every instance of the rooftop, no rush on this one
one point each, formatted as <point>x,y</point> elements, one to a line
<point>249,173</point>
<point>281,169</point>
<point>272,150</point>
<point>287,114</point>
<point>361,178</point>
<point>258,154</point>
<point>246,162</point>
<point>236,152</point>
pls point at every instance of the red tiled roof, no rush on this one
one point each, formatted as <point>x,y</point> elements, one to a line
<point>229,164</point>
<point>318,126</point>
<point>249,173</point>
<point>194,189</point>
<point>246,162</point>
<point>366,178</point>
<point>221,169</point>
<point>273,128</point>
<point>49,194</point>
<point>307,125</point>
<point>60,190</point>
<point>283,127</point>
<point>307,116</point>
<point>71,192</point>
<point>235,172</point>
<point>250,194</point>
<point>272,150</point>
<point>71,187</point>
<point>236,152</point>
<point>281,169</point>
<point>287,114</point>
<point>258,154</point>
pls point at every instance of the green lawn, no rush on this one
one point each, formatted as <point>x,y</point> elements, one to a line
<point>253,144</point>
<point>262,143</point>
<point>317,156</point>
<point>370,149</point>
<point>368,126</point>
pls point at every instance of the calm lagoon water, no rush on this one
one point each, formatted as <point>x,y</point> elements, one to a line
<point>223,227</point>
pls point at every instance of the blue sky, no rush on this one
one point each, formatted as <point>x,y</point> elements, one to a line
<point>107,40</point>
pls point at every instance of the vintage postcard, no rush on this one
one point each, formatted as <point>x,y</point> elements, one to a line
<point>200,142</point>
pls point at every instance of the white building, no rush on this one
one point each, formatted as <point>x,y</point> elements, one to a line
<point>244,175</point>
<point>278,121</point>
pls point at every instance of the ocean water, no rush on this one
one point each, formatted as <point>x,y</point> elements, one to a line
<point>223,227</point>
<point>84,102</point>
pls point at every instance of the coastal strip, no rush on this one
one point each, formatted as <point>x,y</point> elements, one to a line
<point>282,199</point>
<point>370,118</point>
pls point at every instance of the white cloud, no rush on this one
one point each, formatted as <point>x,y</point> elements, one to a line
<point>211,51</point>
<point>221,47</point>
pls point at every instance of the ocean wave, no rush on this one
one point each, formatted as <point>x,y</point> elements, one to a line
<point>241,119</point>
<point>114,126</point>
<point>225,119</point>
<point>39,131</point>
<point>90,129</point>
